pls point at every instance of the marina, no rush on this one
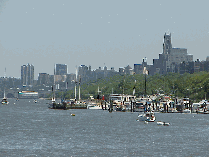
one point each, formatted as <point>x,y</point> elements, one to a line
<point>104,78</point>
<point>132,104</point>
<point>31,129</point>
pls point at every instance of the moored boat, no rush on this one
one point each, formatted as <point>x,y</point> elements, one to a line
<point>186,111</point>
<point>94,106</point>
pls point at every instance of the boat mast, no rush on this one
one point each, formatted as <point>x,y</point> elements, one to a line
<point>145,82</point>
<point>79,86</point>
<point>5,73</point>
<point>53,90</point>
<point>4,82</point>
<point>98,93</point>
<point>134,88</point>
<point>75,89</point>
<point>4,94</point>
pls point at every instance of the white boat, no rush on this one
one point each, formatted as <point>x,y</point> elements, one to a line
<point>186,111</point>
<point>147,116</point>
<point>4,100</point>
<point>204,102</point>
<point>142,117</point>
<point>163,123</point>
<point>94,106</point>
<point>51,105</point>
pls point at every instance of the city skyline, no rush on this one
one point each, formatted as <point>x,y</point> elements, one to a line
<point>115,34</point>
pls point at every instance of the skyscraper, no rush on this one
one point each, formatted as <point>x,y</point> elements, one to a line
<point>27,75</point>
<point>167,46</point>
<point>170,59</point>
<point>60,69</point>
<point>43,78</point>
<point>173,56</point>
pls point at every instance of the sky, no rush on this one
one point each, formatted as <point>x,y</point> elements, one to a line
<point>112,33</point>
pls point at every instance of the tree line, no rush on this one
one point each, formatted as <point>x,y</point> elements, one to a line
<point>195,86</point>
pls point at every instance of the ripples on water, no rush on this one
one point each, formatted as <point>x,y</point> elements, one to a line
<point>31,129</point>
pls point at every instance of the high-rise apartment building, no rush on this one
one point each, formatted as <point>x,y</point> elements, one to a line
<point>60,69</point>
<point>43,78</point>
<point>27,75</point>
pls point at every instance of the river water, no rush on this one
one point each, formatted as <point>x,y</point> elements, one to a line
<point>31,129</point>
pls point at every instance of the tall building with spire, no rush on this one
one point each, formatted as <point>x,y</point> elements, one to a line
<point>174,56</point>
<point>27,75</point>
<point>167,46</point>
<point>170,58</point>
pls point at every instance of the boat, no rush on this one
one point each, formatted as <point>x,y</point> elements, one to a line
<point>206,112</point>
<point>139,107</point>
<point>163,123</point>
<point>54,105</point>
<point>51,104</point>
<point>186,111</point>
<point>4,100</point>
<point>147,116</point>
<point>202,111</point>
<point>35,101</point>
<point>94,106</point>
<point>28,95</point>
<point>204,101</point>
<point>72,114</point>
<point>121,102</point>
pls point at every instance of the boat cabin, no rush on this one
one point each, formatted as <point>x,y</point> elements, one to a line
<point>118,98</point>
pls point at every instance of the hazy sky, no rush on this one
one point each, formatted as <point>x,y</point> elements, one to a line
<point>115,33</point>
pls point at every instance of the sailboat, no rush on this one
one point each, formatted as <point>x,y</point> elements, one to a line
<point>53,100</point>
<point>4,100</point>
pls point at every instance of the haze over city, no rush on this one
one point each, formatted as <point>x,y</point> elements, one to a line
<point>97,33</point>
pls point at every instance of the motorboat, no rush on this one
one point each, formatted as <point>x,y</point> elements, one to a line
<point>52,104</point>
<point>94,106</point>
<point>4,100</point>
<point>186,111</point>
<point>147,116</point>
<point>142,117</point>
<point>163,123</point>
